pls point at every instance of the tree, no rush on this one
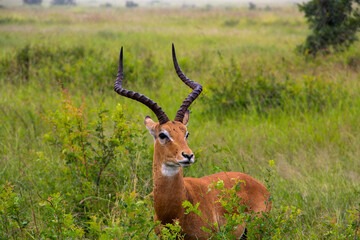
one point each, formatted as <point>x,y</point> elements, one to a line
<point>32,2</point>
<point>131,4</point>
<point>334,24</point>
<point>252,6</point>
<point>63,2</point>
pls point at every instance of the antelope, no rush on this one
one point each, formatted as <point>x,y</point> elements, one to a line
<point>172,154</point>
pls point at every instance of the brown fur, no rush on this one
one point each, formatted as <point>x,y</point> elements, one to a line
<point>171,192</point>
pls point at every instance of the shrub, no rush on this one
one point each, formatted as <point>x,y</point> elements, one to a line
<point>350,230</point>
<point>262,92</point>
<point>58,223</point>
<point>279,223</point>
<point>130,218</point>
<point>334,24</point>
<point>78,66</point>
<point>131,4</point>
<point>100,185</point>
<point>32,2</point>
<point>13,217</point>
<point>282,222</point>
<point>231,23</point>
<point>98,154</point>
<point>23,62</point>
<point>252,6</point>
<point>63,2</point>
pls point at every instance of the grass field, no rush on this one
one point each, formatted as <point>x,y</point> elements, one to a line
<point>61,122</point>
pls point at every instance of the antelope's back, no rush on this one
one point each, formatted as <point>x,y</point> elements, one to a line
<point>253,193</point>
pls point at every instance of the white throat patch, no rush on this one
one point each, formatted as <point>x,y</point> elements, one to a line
<point>169,170</point>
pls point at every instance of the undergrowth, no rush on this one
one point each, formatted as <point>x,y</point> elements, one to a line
<point>103,191</point>
<point>76,66</point>
<point>279,223</point>
<point>262,92</point>
<point>74,169</point>
<point>100,175</point>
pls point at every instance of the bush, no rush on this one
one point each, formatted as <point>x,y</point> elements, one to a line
<point>78,66</point>
<point>334,24</point>
<point>231,23</point>
<point>101,184</point>
<point>23,62</point>
<point>252,6</point>
<point>276,224</point>
<point>63,2</point>
<point>13,217</point>
<point>282,222</point>
<point>98,155</point>
<point>131,4</point>
<point>31,2</point>
<point>262,93</point>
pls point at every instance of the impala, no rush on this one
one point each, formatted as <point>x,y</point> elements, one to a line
<point>171,154</point>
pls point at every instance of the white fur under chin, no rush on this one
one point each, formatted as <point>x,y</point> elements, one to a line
<point>169,170</point>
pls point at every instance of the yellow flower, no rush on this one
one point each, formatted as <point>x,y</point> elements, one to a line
<point>271,163</point>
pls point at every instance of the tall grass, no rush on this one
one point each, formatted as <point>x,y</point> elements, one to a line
<point>261,102</point>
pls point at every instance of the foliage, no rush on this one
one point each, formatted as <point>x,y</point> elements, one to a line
<point>88,149</point>
<point>349,231</point>
<point>252,6</point>
<point>23,62</point>
<point>58,223</point>
<point>264,92</point>
<point>279,223</point>
<point>130,218</point>
<point>334,24</point>
<point>231,23</point>
<point>89,152</point>
<point>90,205</point>
<point>30,2</point>
<point>106,5</point>
<point>131,4</point>
<point>12,213</point>
<point>314,137</point>
<point>31,62</point>
<point>172,231</point>
<point>271,225</point>
<point>63,2</point>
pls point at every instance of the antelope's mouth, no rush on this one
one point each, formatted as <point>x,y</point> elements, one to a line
<point>186,162</point>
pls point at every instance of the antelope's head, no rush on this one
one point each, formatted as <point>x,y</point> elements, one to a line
<point>171,149</point>
<point>171,142</point>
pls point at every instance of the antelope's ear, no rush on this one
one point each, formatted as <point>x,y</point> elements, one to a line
<point>186,117</point>
<point>151,126</point>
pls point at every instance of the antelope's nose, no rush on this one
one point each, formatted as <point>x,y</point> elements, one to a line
<point>185,155</point>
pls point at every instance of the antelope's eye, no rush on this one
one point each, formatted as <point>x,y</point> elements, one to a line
<point>163,136</point>
<point>187,135</point>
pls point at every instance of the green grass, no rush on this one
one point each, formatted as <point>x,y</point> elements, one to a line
<point>312,134</point>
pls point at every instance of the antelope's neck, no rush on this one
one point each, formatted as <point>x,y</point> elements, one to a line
<point>169,192</point>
